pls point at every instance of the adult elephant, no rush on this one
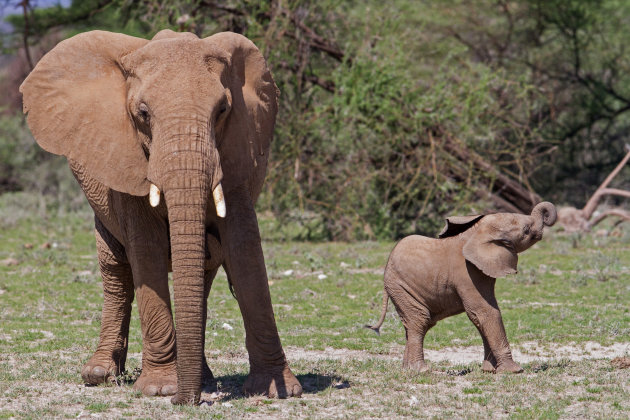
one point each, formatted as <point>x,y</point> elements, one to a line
<point>185,118</point>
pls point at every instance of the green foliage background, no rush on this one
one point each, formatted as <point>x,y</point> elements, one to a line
<point>388,107</point>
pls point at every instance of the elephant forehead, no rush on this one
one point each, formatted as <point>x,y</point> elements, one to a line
<point>506,222</point>
<point>177,52</point>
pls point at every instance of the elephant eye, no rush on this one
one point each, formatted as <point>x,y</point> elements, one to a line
<point>143,113</point>
<point>526,230</point>
<point>223,108</point>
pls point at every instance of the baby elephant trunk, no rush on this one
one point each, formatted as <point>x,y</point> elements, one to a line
<point>544,214</point>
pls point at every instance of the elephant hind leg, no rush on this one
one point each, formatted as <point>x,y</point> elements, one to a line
<point>109,359</point>
<point>414,348</point>
<point>416,319</point>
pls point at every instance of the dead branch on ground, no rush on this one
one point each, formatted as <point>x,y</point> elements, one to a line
<point>579,220</point>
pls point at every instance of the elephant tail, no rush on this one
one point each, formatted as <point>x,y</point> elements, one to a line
<point>377,328</point>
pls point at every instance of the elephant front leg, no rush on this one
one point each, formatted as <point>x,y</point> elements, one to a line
<point>147,252</point>
<point>489,361</point>
<point>245,266</point>
<point>483,310</point>
<point>109,359</point>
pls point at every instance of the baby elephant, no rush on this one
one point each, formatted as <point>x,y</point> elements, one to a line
<point>430,279</point>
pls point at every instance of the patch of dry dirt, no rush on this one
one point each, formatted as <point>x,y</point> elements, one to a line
<point>524,353</point>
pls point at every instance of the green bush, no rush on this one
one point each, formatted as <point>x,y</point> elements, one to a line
<point>24,166</point>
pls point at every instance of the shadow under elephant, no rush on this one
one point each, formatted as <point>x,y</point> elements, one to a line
<point>231,386</point>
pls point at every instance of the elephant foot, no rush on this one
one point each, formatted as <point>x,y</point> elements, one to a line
<point>509,366</point>
<point>420,366</point>
<point>282,384</point>
<point>101,369</point>
<point>488,367</point>
<point>160,382</point>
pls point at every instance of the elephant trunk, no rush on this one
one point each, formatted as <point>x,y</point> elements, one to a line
<point>189,172</point>
<point>187,230</point>
<point>544,214</point>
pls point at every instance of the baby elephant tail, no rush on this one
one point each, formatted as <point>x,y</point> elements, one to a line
<point>377,328</point>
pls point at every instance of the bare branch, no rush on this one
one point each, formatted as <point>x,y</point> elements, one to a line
<point>623,214</point>
<point>592,203</point>
<point>25,8</point>
<point>315,41</point>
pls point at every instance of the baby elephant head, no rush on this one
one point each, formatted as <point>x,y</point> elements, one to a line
<point>492,242</point>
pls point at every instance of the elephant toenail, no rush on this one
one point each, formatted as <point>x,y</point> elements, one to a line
<point>98,373</point>
<point>150,391</point>
<point>297,391</point>
<point>168,390</point>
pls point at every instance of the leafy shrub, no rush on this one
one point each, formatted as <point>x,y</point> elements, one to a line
<point>24,166</point>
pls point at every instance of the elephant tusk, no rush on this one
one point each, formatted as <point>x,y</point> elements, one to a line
<point>219,200</point>
<point>154,196</point>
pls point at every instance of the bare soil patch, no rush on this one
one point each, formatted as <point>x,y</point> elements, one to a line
<point>524,353</point>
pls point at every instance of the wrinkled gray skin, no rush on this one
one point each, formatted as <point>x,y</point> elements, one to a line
<point>430,279</point>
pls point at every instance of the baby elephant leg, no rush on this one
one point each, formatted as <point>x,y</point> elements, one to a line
<point>417,321</point>
<point>497,353</point>
<point>109,359</point>
<point>483,310</point>
<point>414,351</point>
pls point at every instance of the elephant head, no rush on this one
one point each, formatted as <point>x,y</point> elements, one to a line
<point>167,116</point>
<point>492,242</point>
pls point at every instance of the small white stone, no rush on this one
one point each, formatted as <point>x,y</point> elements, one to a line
<point>322,276</point>
<point>287,273</point>
<point>227,326</point>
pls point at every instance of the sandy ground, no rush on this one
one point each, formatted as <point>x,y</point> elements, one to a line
<point>35,396</point>
<point>523,353</point>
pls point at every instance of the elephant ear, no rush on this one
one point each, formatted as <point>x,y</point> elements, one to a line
<point>458,224</point>
<point>491,254</point>
<point>76,104</point>
<point>253,114</point>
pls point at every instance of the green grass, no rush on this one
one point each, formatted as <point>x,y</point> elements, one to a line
<point>323,294</point>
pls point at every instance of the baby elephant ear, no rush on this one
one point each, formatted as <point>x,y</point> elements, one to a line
<point>76,103</point>
<point>458,224</point>
<point>493,257</point>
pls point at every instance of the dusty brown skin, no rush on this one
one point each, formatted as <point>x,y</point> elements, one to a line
<point>184,114</point>
<point>431,279</point>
